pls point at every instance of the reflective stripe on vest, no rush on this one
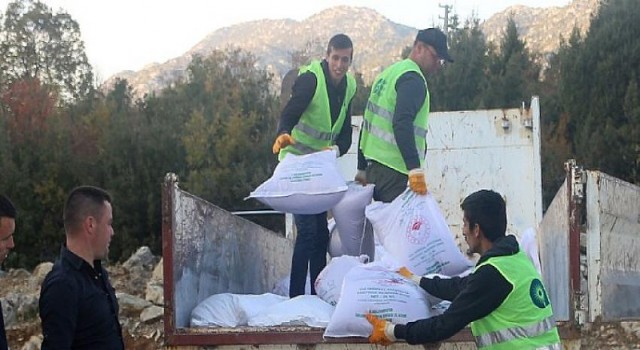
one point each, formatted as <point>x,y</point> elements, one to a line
<point>418,131</point>
<point>524,320</point>
<point>315,129</point>
<point>300,148</point>
<point>316,134</point>
<point>513,333</point>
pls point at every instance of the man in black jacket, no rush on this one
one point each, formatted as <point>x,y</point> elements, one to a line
<point>503,299</point>
<point>78,305</point>
<point>392,144</point>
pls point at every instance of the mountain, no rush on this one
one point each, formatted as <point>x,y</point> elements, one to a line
<point>542,28</point>
<point>377,40</point>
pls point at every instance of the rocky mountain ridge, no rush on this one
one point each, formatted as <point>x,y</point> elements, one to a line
<point>378,41</point>
<point>543,28</point>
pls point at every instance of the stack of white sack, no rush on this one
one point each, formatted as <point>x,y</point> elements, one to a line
<point>413,230</point>
<point>305,184</point>
<point>235,310</point>
<point>303,310</point>
<point>349,235</point>
<point>231,310</point>
<point>377,289</point>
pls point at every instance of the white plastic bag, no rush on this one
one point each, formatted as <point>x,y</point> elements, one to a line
<point>529,244</point>
<point>349,217</point>
<point>413,230</point>
<point>231,310</point>
<point>329,282</point>
<point>374,288</point>
<point>303,310</point>
<point>304,184</point>
<point>337,248</point>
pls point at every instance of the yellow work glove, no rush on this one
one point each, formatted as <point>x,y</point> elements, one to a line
<point>417,183</point>
<point>382,333</point>
<point>361,177</point>
<point>282,141</point>
<point>410,275</point>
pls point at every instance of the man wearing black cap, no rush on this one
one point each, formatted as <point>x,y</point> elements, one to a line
<point>392,142</point>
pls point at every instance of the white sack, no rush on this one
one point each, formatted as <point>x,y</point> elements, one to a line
<point>385,293</point>
<point>231,310</point>
<point>336,248</point>
<point>303,310</point>
<point>529,244</point>
<point>350,218</point>
<point>329,282</point>
<point>413,230</point>
<point>305,184</point>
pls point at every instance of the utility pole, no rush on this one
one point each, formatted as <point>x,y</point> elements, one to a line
<point>447,9</point>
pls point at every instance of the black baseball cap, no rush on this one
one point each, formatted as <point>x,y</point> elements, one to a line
<point>435,38</point>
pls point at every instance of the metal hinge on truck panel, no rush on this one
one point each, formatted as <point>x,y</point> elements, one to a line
<point>576,179</point>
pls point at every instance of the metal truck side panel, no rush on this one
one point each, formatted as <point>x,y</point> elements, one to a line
<point>554,253</point>
<point>216,252</point>
<point>613,247</point>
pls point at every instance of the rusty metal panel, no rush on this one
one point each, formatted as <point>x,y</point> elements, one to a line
<point>613,247</point>
<point>554,253</point>
<point>215,251</point>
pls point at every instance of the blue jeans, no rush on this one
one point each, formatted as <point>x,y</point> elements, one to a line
<point>309,252</point>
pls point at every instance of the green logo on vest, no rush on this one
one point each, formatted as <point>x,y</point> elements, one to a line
<point>538,294</point>
<point>379,86</point>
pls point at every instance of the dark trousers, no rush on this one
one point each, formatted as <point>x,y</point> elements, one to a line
<point>309,252</point>
<point>389,183</point>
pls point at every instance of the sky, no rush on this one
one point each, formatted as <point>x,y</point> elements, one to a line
<point>130,34</point>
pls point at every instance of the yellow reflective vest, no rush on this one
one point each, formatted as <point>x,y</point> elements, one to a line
<point>524,320</point>
<point>314,131</point>
<point>377,140</point>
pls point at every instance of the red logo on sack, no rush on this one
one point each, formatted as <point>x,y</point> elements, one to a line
<point>418,231</point>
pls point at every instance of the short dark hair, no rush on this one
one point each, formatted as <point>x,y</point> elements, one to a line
<point>83,201</point>
<point>487,209</point>
<point>340,41</point>
<point>7,209</point>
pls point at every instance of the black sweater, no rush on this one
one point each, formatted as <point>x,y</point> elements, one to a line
<point>472,298</point>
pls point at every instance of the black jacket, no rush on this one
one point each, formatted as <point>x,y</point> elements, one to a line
<point>78,306</point>
<point>472,298</point>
